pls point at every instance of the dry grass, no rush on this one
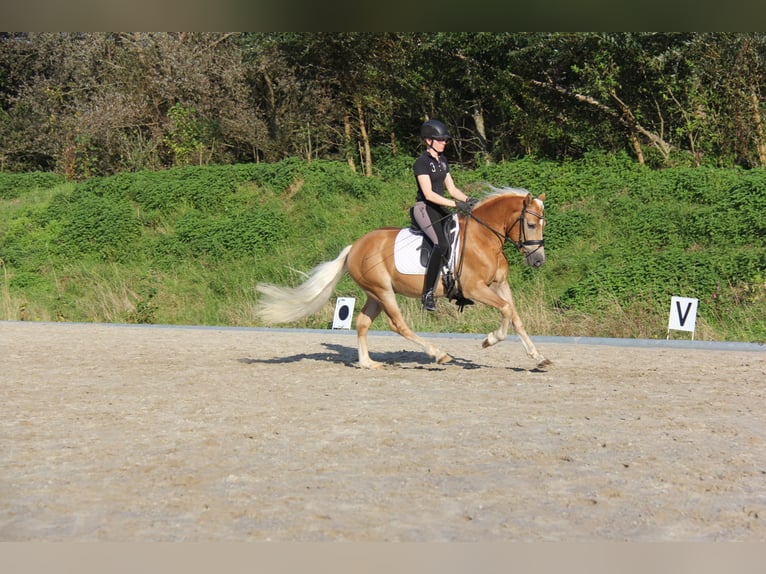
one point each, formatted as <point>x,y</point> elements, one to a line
<point>114,294</point>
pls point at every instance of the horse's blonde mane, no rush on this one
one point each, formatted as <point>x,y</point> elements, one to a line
<point>498,191</point>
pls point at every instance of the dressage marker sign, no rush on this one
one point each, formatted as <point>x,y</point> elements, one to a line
<point>344,309</point>
<point>683,314</point>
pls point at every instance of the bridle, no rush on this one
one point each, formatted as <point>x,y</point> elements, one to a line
<point>524,244</point>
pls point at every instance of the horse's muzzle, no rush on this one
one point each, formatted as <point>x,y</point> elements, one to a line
<point>536,257</point>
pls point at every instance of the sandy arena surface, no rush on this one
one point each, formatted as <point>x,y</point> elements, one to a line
<point>120,433</point>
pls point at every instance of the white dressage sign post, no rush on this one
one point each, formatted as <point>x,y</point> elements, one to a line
<point>683,314</point>
<point>344,310</point>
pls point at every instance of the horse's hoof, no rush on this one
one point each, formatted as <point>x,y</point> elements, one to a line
<point>371,365</point>
<point>443,359</point>
<point>543,363</point>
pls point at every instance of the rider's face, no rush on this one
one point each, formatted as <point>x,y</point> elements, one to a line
<point>439,145</point>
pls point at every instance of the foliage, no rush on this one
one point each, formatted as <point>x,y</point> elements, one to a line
<point>15,184</point>
<point>187,245</point>
<point>220,235</point>
<point>96,104</point>
<point>186,135</point>
<point>95,224</point>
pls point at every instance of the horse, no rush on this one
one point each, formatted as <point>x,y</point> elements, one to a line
<point>501,215</point>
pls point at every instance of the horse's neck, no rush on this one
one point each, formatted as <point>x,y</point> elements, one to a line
<point>499,215</point>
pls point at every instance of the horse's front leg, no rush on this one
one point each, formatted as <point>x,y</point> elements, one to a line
<point>504,303</point>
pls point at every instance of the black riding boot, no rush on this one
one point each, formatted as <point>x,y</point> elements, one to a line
<point>432,276</point>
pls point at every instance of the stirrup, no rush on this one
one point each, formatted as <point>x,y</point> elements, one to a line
<point>429,301</point>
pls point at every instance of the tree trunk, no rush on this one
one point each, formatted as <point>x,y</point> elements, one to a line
<point>349,146</point>
<point>365,138</point>
<point>758,128</point>
<point>637,147</point>
<point>478,119</point>
<point>309,146</point>
<point>629,120</point>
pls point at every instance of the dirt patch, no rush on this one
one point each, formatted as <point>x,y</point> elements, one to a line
<point>121,433</point>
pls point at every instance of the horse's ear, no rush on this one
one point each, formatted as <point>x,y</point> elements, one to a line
<point>528,200</point>
<point>541,197</point>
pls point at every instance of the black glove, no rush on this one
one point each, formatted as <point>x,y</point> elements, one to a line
<point>465,207</point>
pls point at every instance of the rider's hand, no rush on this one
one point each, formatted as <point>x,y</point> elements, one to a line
<point>465,207</point>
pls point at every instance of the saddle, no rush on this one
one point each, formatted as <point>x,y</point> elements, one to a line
<point>449,279</point>
<point>426,246</point>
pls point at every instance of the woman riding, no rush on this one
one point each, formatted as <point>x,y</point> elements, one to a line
<point>433,179</point>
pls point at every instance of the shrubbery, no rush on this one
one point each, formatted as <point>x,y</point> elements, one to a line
<point>93,224</point>
<point>17,184</point>
<point>617,233</point>
<point>218,235</point>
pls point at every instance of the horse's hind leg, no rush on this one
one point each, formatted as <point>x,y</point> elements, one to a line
<point>365,318</point>
<point>372,308</point>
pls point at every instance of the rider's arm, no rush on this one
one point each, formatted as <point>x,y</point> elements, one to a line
<point>425,185</point>
<point>449,183</point>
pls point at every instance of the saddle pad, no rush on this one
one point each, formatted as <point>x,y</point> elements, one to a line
<point>407,252</point>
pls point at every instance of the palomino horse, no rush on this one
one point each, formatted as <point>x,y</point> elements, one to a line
<point>503,215</point>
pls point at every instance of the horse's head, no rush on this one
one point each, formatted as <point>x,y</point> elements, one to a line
<point>520,216</point>
<point>530,234</point>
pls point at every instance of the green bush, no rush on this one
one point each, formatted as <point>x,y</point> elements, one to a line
<point>189,244</point>
<point>16,184</point>
<point>278,177</point>
<point>393,167</point>
<point>205,188</point>
<point>94,224</point>
<point>326,178</point>
<point>217,236</point>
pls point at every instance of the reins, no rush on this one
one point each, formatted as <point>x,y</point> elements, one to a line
<point>503,237</point>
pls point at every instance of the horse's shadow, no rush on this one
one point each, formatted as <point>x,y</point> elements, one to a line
<point>347,356</point>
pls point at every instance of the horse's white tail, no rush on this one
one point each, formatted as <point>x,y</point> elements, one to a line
<point>287,304</point>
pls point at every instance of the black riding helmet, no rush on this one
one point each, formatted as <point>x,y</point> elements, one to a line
<point>434,130</point>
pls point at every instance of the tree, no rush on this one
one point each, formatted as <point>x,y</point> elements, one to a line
<point>98,103</point>
<point>335,93</point>
<point>732,72</point>
<point>94,103</point>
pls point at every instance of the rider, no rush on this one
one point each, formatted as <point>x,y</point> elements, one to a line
<point>433,179</point>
